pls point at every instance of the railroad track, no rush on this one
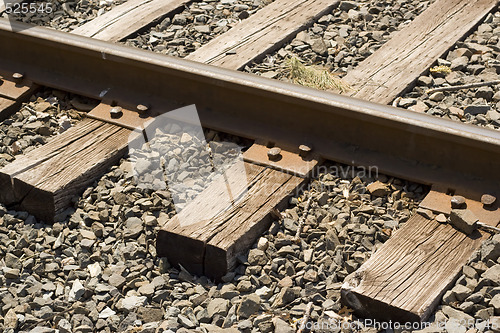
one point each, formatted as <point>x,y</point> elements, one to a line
<point>135,87</point>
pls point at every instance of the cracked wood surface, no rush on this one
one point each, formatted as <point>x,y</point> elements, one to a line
<point>44,180</point>
<point>392,69</point>
<point>406,278</point>
<point>210,245</point>
<point>12,94</point>
<point>263,32</point>
<point>128,18</point>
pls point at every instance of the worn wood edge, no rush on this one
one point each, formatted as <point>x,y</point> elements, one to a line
<point>7,193</point>
<point>125,13</point>
<point>369,307</point>
<point>173,239</point>
<point>352,77</point>
<point>11,104</point>
<point>46,202</point>
<point>218,59</point>
<point>175,246</point>
<point>7,108</point>
<point>218,261</point>
<point>36,200</point>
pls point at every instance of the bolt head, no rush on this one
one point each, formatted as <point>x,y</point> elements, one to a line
<point>116,112</point>
<point>304,150</point>
<point>457,201</point>
<point>274,153</point>
<point>488,199</point>
<point>141,108</point>
<point>17,76</point>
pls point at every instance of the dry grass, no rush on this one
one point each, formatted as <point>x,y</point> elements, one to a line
<point>441,69</point>
<point>314,77</point>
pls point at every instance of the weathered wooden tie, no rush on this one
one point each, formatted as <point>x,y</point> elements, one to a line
<point>128,18</point>
<point>405,279</point>
<point>263,32</point>
<point>392,69</point>
<point>211,246</point>
<point>44,180</point>
<point>13,91</point>
<point>113,26</point>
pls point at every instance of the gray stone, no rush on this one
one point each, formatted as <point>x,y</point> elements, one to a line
<point>495,303</point>
<point>217,306</point>
<point>229,291</point>
<point>257,257</point>
<point>484,92</point>
<point>493,274</point>
<point>319,46</point>
<point>184,321</point>
<point>477,109</point>
<point>490,249</point>
<point>131,303</point>
<point>77,291</point>
<point>10,320</point>
<point>244,286</point>
<point>457,315</point>
<point>419,107</point>
<point>424,80</point>
<point>378,189</point>
<point>133,227</point>
<point>262,244</point>
<point>116,280</point>
<point>11,273</point>
<point>437,96</point>
<point>281,326</point>
<point>64,326</point>
<point>347,5</point>
<point>12,261</point>
<point>427,213</point>
<point>285,296</point>
<point>464,220</point>
<point>248,306</point>
<point>441,218</point>
<point>331,239</point>
<point>461,292</point>
<point>459,63</point>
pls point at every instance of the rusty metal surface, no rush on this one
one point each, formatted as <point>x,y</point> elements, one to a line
<point>288,161</point>
<point>438,200</point>
<point>11,89</point>
<point>129,119</point>
<point>401,143</point>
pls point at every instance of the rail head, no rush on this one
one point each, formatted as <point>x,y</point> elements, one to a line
<point>403,143</point>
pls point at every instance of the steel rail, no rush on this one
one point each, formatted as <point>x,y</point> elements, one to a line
<point>402,143</point>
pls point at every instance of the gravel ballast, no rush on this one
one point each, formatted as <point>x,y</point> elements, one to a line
<point>48,113</point>
<point>475,60</point>
<point>97,269</point>
<point>65,15</point>
<point>195,26</point>
<point>342,39</point>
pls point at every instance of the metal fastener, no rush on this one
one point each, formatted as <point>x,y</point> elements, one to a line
<point>17,77</point>
<point>488,199</point>
<point>116,112</point>
<point>141,108</point>
<point>457,201</point>
<point>304,150</point>
<point>274,154</point>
